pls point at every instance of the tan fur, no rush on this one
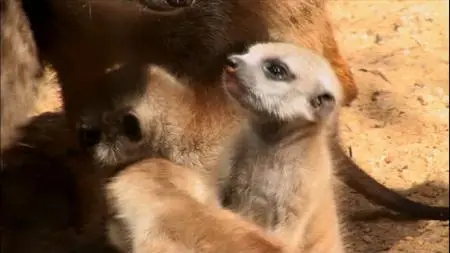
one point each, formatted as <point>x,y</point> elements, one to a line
<point>20,71</point>
<point>278,170</point>
<point>176,210</point>
<point>150,198</point>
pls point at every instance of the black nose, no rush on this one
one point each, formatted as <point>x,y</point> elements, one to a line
<point>232,63</point>
<point>89,135</point>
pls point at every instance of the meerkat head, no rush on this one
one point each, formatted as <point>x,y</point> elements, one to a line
<point>110,136</point>
<point>122,126</point>
<point>282,81</point>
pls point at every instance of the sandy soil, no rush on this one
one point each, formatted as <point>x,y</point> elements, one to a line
<point>398,127</point>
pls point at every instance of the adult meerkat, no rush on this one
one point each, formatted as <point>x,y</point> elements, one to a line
<point>278,170</point>
<point>187,37</point>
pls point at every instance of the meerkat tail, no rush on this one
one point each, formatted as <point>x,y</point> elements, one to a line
<point>379,194</point>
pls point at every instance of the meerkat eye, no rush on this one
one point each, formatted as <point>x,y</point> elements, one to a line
<point>132,128</point>
<point>321,100</point>
<point>179,3</point>
<point>276,70</point>
<point>166,5</point>
<point>89,135</point>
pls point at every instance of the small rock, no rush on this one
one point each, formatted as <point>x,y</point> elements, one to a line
<point>379,125</point>
<point>397,25</point>
<point>366,239</point>
<point>422,100</point>
<point>370,32</point>
<point>400,169</point>
<point>409,238</point>
<point>380,95</point>
<point>419,85</point>
<point>378,39</point>
<point>388,159</point>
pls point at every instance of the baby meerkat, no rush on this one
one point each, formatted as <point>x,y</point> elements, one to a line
<point>278,172</point>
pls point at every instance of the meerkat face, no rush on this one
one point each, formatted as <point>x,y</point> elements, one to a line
<point>111,135</point>
<point>283,81</point>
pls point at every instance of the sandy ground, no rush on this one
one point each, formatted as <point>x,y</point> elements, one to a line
<point>398,127</point>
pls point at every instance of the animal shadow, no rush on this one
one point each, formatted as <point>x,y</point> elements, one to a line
<point>372,229</point>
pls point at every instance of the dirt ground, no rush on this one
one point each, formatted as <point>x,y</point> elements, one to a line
<point>398,127</point>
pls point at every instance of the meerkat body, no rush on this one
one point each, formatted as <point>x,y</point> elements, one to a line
<point>278,173</point>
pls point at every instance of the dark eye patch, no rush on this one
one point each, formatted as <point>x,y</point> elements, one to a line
<point>277,70</point>
<point>89,135</point>
<point>132,127</point>
<point>166,5</point>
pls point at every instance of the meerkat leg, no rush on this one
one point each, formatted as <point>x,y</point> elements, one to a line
<point>323,233</point>
<point>162,245</point>
<point>158,199</point>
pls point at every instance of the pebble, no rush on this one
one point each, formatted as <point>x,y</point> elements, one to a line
<point>402,168</point>
<point>388,159</point>
<point>422,100</point>
<point>409,238</point>
<point>380,95</point>
<point>419,85</point>
<point>366,238</point>
<point>378,39</point>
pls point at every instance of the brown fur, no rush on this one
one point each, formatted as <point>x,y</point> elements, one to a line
<point>213,28</point>
<point>51,197</point>
<point>176,211</point>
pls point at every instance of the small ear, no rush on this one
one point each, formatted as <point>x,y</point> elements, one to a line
<point>323,104</point>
